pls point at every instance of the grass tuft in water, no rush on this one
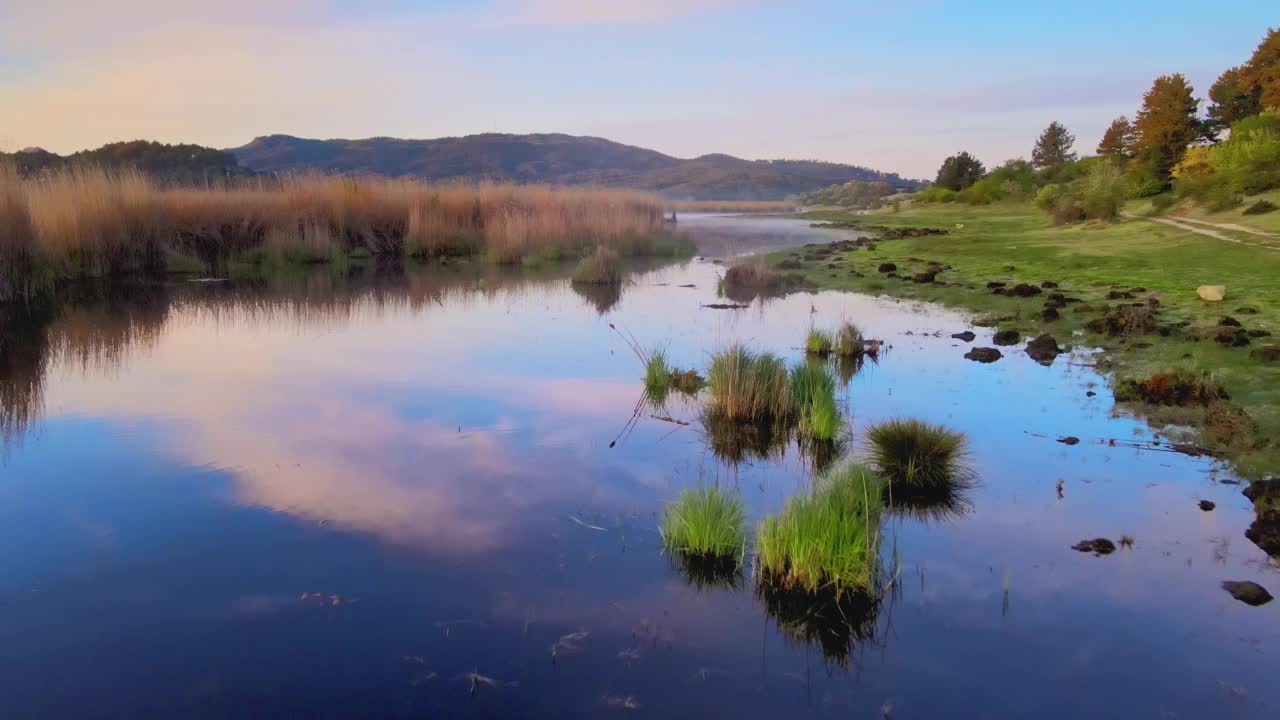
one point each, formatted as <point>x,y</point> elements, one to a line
<point>813,392</point>
<point>819,342</point>
<point>913,454</point>
<point>602,267</point>
<point>705,522</point>
<point>657,372</point>
<point>849,341</point>
<point>827,539</point>
<point>748,386</point>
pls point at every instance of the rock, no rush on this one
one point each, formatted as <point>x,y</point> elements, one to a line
<point>1090,393</point>
<point>966,336</point>
<point>1268,354</point>
<point>924,277</point>
<point>1207,505</point>
<point>1229,321</point>
<point>1048,284</point>
<point>1247,592</point>
<point>1024,290</point>
<point>1212,293</point>
<point>995,284</point>
<point>984,355</point>
<point>1044,349</point>
<point>1050,314</point>
<point>887,267</point>
<point>1007,337</point>
<point>1069,440</point>
<point>1097,546</point>
<point>1265,532</point>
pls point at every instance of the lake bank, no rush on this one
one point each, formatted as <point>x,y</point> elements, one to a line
<point>1105,267</point>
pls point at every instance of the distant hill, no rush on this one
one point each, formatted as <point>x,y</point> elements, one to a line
<point>560,159</point>
<point>171,163</point>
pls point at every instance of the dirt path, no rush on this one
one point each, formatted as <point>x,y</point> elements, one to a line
<point>1218,232</point>
<point>1233,227</point>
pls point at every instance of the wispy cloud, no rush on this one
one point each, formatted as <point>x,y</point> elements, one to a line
<point>616,12</point>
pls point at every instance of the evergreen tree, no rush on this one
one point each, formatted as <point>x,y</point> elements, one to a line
<point>959,172</point>
<point>1233,98</point>
<point>1053,149</point>
<point>1119,140</point>
<point>1167,124</point>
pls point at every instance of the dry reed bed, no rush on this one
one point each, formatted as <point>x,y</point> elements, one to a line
<point>86,222</point>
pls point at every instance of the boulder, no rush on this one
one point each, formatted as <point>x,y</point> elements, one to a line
<point>1247,592</point>
<point>984,355</point>
<point>1212,293</point>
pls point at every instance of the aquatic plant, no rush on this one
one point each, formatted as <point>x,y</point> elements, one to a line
<point>913,454</point>
<point>706,522</point>
<point>813,391</point>
<point>89,222</point>
<point>849,341</point>
<point>754,275</point>
<point>819,342</point>
<point>601,267</point>
<point>657,373</point>
<point>827,538</point>
<point>748,386</point>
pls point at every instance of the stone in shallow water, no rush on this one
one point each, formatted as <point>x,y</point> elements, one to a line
<point>1247,592</point>
<point>966,336</point>
<point>1207,505</point>
<point>984,355</point>
<point>1097,546</point>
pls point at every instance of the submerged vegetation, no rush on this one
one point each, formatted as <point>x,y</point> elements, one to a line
<point>80,223</point>
<point>827,538</point>
<point>705,522</point>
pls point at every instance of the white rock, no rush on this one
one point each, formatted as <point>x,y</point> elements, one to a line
<point>1212,293</point>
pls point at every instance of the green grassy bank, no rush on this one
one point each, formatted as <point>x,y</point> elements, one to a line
<point>1015,243</point>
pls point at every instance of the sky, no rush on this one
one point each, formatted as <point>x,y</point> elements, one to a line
<point>892,86</point>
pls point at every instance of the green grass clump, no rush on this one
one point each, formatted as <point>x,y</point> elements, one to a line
<point>748,386</point>
<point>819,342</point>
<point>601,267</point>
<point>917,454</point>
<point>707,522</point>
<point>827,539</point>
<point>813,392</point>
<point>657,372</point>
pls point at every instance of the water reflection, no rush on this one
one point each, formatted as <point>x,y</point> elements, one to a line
<point>839,626</point>
<point>705,573</point>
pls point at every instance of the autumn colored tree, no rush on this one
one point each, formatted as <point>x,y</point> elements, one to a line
<point>1262,73</point>
<point>1053,149</point>
<point>1119,140</point>
<point>959,172</point>
<point>1167,124</point>
<point>1232,98</point>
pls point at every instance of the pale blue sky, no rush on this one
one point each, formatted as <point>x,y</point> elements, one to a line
<point>895,88</point>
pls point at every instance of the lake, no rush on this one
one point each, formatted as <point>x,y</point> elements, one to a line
<point>392,493</point>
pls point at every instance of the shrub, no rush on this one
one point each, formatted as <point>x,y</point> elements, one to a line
<point>1261,207</point>
<point>1163,201</point>
<point>828,538</point>
<point>1103,191</point>
<point>1049,197</point>
<point>916,454</point>
<point>748,386</point>
<point>706,522</point>
<point>601,267</point>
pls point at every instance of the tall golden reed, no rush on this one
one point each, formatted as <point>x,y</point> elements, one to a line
<point>85,222</point>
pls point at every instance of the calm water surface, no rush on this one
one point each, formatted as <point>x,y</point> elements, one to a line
<point>323,498</point>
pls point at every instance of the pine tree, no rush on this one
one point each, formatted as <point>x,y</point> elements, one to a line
<point>1119,140</point>
<point>1053,149</point>
<point>959,172</point>
<point>1233,98</point>
<point>1167,124</point>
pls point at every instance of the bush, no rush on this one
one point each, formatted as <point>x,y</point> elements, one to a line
<point>1049,197</point>
<point>1163,201</point>
<point>1103,191</point>
<point>935,194</point>
<point>1261,207</point>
